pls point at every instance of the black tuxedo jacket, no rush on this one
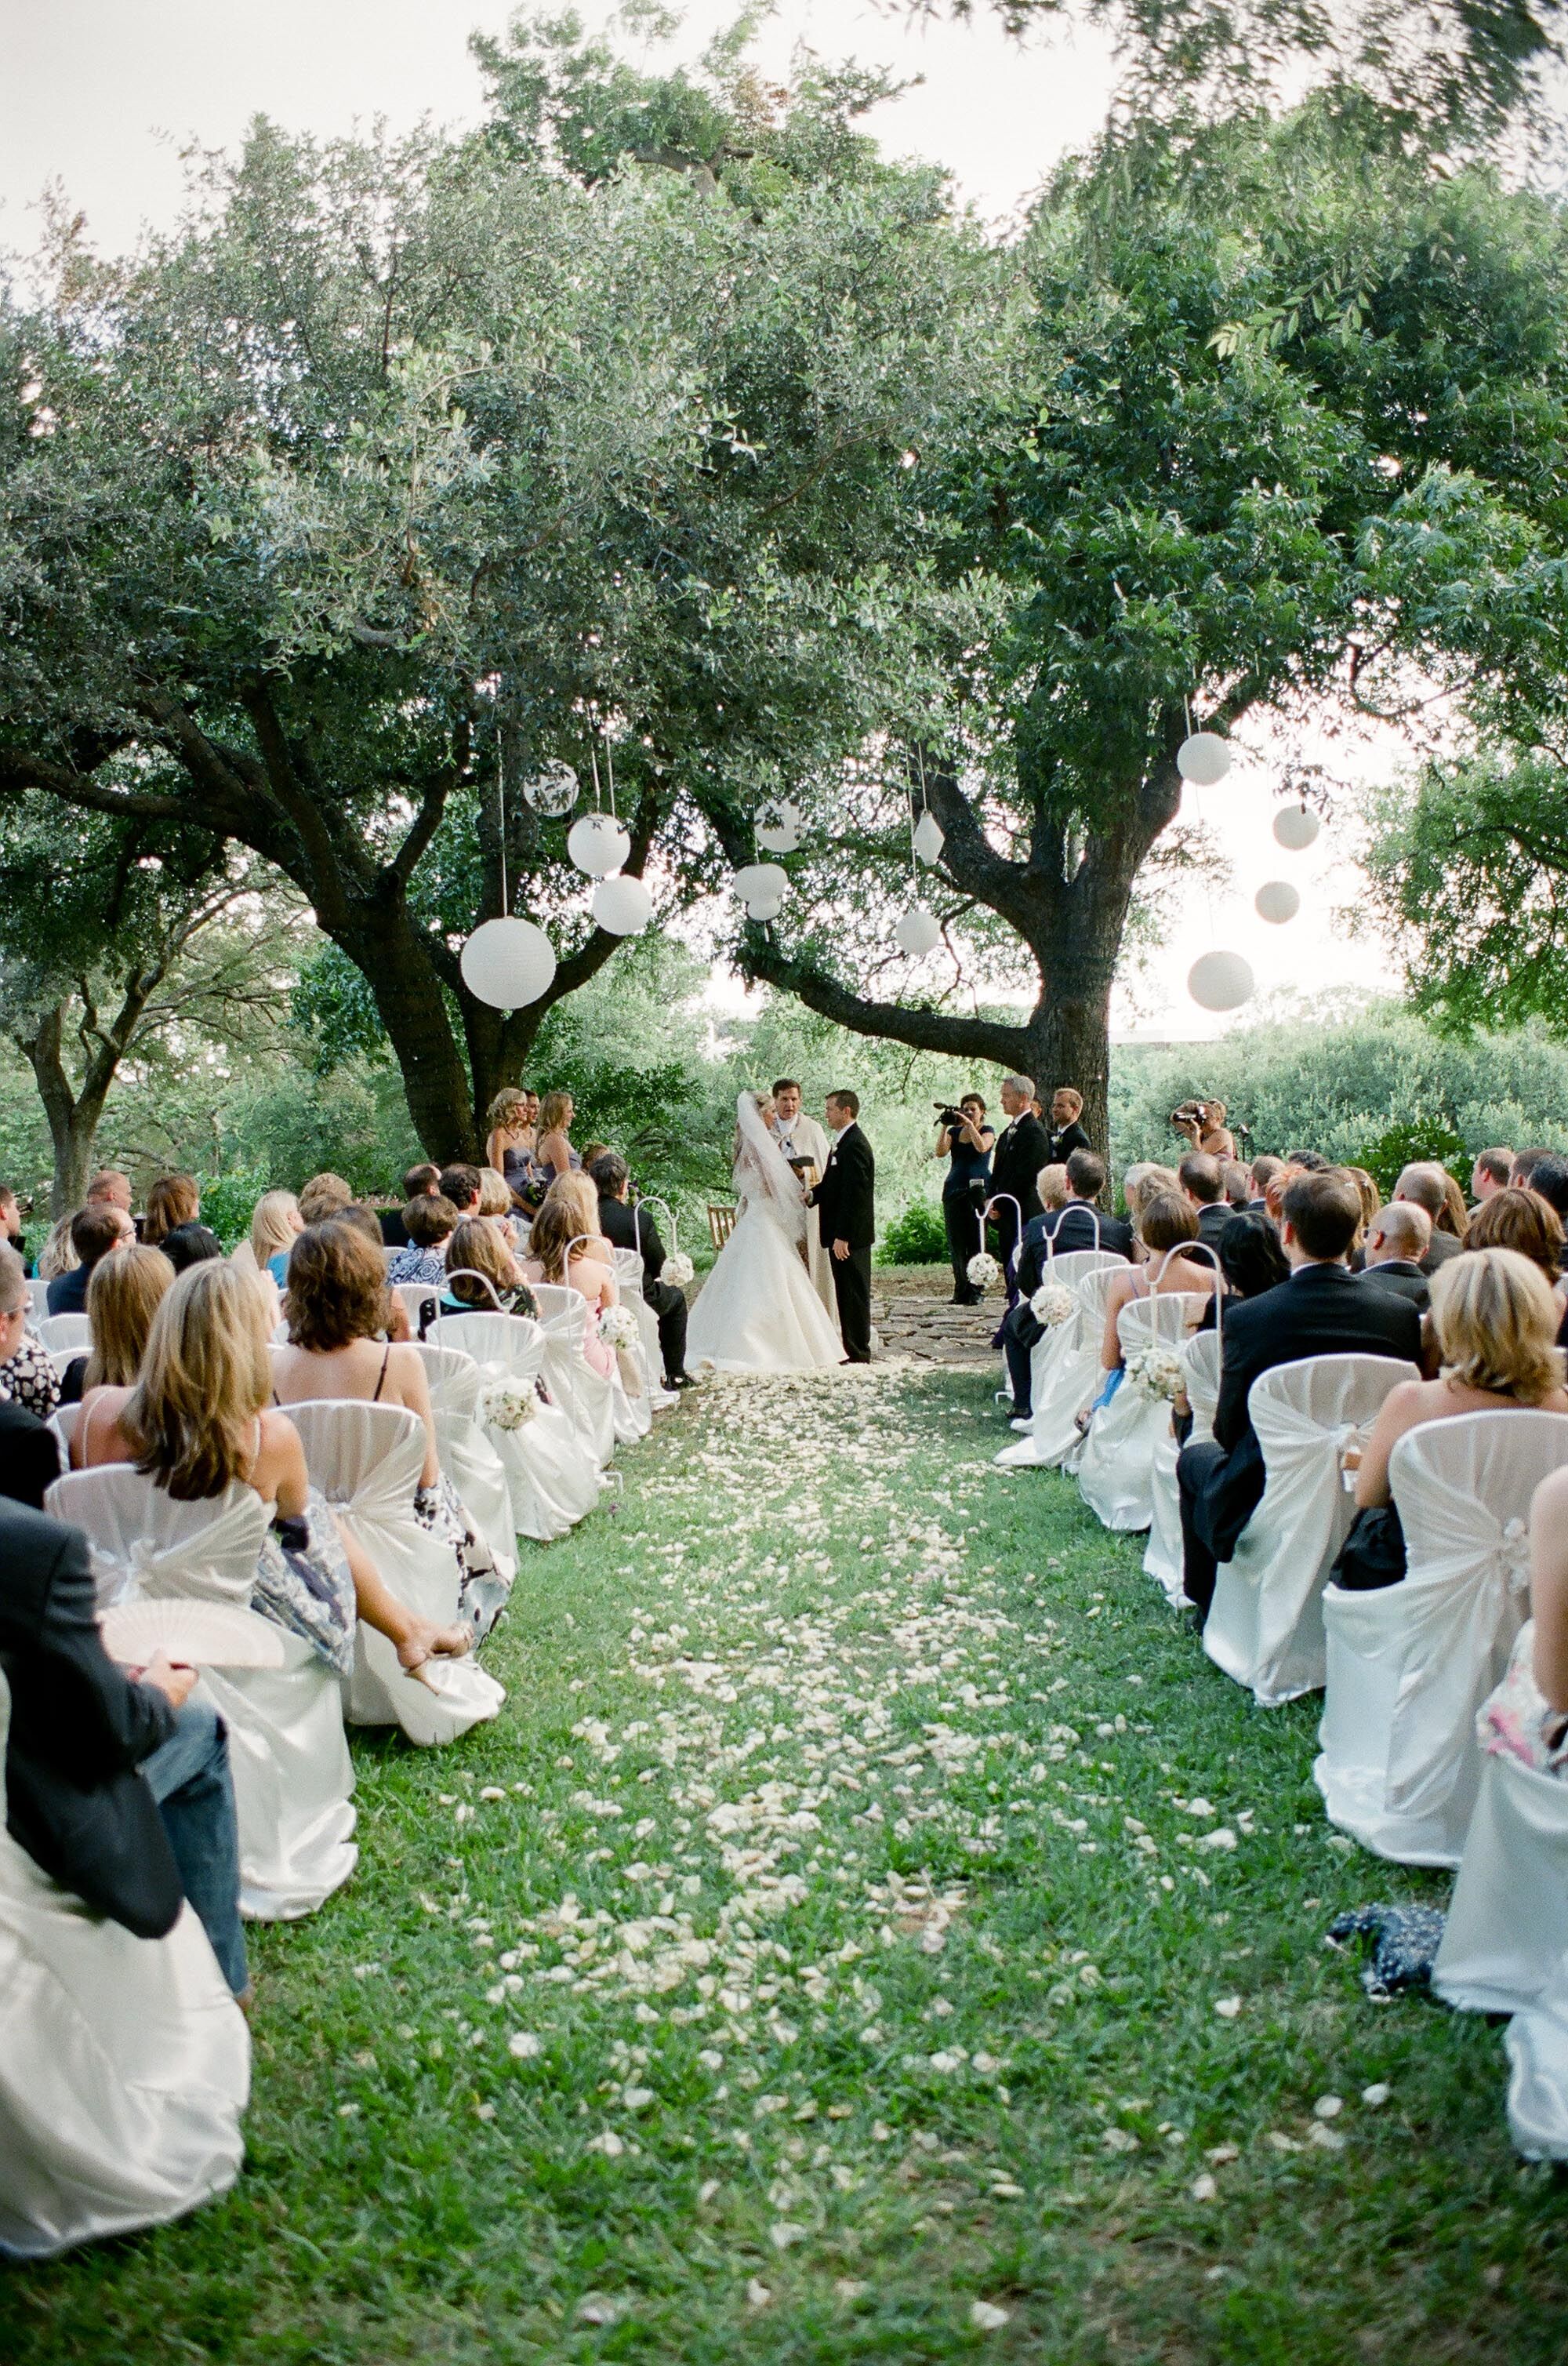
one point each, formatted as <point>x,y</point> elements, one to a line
<point>1211,1221</point>
<point>846,1197</point>
<point>1062,1145</point>
<point>1405,1277</point>
<point>1070,1228</point>
<point>1023,1147</point>
<point>29,1455</point>
<point>625,1227</point>
<point>79,1732</point>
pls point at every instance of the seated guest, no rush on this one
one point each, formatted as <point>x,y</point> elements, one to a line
<point>108,1188</point>
<point>125,1294</point>
<point>118,1787</point>
<point>429,1222</point>
<point>1068,1228</point>
<point>1526,1717</point>
<point>1371,1201</point>
<point>1522,1221</point>
<point>190,1245</point>
<point>29,1452</point>
<point>1426,1183</point>
<point>1250,1261</point>
<point>1548,1181</point>
<point>1238,1186</point>
<point>27,1374</point>
<point>556,1257</point>
<point>1140,1185</point>
<point>495,1199</point>
<point>1397,1239</point>
<point>483,1276</point>
<point>95,1233</point>
<point>1203,1184</point>
<point>420,1183</point>
<point>1308,1162</point>
<point>11,1232</point>
<point>1259,1174</point>
<point>1455,1216</point>
<point>1278,1184</point>
<point>276,1224</point>
<point>1168,1228</point>
<point>577,1193</point>
<point>57,1255</point>
<point>1493,1171</point>
<point>1321,1310</point>
<point>200,1419</point>
<point>1524,1166</point>
<point>628,1228</point>
<point>1050,1189</point>
<point>173,1199</point>
<point>460,1184</point>
<point>324,1197</point>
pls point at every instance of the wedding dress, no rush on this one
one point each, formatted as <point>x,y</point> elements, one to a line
<point>758,1311</point>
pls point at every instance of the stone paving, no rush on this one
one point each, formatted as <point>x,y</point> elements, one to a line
<point>912,1317</point>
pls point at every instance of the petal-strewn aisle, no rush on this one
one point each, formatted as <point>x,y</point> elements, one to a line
<point>871,1932</point>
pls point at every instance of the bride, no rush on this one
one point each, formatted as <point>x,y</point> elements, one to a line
<point>758,1311</point>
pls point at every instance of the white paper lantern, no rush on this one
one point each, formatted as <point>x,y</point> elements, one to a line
<point>507,964</point>
<point>918,932</point>
<point>1296,827</point>
<point>1277,901</point>
<point>765,907</point>
<point>929,837</point>
<point>597,844</point>
<point>621,906</point>
<point>553,791</point>
<point>778,826</point>
<point>1203,758</point>
<point>758,883</point>
<point>1220,982</point>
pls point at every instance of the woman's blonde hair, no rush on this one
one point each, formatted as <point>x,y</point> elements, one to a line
<point>1370,1196</point>
<point>58,1254</point>
<point>508,1109</point>
<point>1497,1317</point>
<point>1142,1184</point>
<point>123,1295</point>
<point>552,1113</point>
<point>271,1232</point>
<point>172,1200</point>
<point>1051,1186</point>
<point>205,1375</point>
<point>476,1246</point>
<point>1453,1216</point>
<point>576,1193</point>
<point>495,1196</point>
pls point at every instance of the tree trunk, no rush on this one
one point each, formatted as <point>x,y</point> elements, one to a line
<point>379,936</point>
<point>73,1117</point>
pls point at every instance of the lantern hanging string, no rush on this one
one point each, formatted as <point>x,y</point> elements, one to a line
<point>501,806</point>
<point>610,772</point>
<point>593,760</point>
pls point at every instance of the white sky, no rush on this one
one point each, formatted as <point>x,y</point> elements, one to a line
<point>101,95</point>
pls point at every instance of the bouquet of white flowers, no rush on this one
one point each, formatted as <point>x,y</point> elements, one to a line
<point>678,1270</point>
<point>508,1404</point>
<point>1052,1304</point>
<point>618,1327</point>
<point>1155,1373</point>
<point>983,1269</point>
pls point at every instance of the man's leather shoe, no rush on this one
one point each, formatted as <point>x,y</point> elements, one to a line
<point>680,1380</point>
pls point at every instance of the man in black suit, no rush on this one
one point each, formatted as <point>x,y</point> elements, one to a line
<point>1397,1241</point>
<point>418,1183</point>
<point>29,1455</point>
<point>95,1232</point>
<point>626,1227</point>
<point>120,1790</point>
<point>1321,1310</point>
<point>1065,1133</point>
<point>1424,1184</point>
<point>1021,1148</point>
<point>845,1200</point>
<point>1203,1184</point>
<point>1068,1228</point>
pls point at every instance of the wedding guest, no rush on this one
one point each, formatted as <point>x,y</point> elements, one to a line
<point>11,1232</point>
<point>1066,1131</point>
<point>1549,1182</point>
<point>1426,1183</point>
<point>1238,1186</point>
<point>1310,1162</point>
<point>1201,1180</point>
<point>1371,1201</point>
<point>1526,1717</point>
<point>173,1199</point>
<point>1259,1174</point>
<point>27,1374</point>
<point>460,1184</point>
<point>1524,1166</point>
<point>1140,1185</point>
<point>1250,1261</point>
<point>57,1255</point>
<point>967,1147</point>
<point>276,1224</point>
<point>495,1199</point>
<point>429,1221</point>
<point>95,1233</point>
<point>126,1292</point>
<point>1397,1240</point>
<point>421,1182</point>
<point>577,1193</point>
<point>324,1197</point>
<point>1493,1171</point>
<point>190,1245</point>
<point>108,1187</point>
<point>1068,1227</point>
<point>1168,1231</point>
<point>118,1788</point>
<point>555,1155</point>
<point>29,1455</point>
<point>1050,1190</point>
<point>511,1141</point>
<point>1512,1218</point>
<point>1019,1151</point>
<point>626,1227</point>
<point>555,1228</point>
<point>483,1275</point>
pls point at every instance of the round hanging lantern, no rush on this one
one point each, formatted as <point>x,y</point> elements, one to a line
<point>597,844</point>
<point>553,791</point>
<point>1277,901</point>
<point>765,907</point>
<point>1220,982</point>
<point>778,826</point>
<point>621,906</point>
<point>929,837</point>
<point>1203,758</point>
<point>918,932</point>
<point>507,964</point>
<point>758,883</point>
<point>1296,827</point>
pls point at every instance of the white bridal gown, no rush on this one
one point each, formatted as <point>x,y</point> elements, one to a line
<point>758,1311</point>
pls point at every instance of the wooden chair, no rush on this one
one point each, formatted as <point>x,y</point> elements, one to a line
<point>721,1224</point>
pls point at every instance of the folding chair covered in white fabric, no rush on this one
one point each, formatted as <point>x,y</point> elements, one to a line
<point>1536,2045</point>
<point>1162,1557</point>
<point>417,1297</point>
<point>293,1775</point>
<point>366,1460</point>
<point>1116,1466</point>
<point>585,1396</point>
<point>1065,1368</point>
<point>554,1297</point>
<point>38,1299</point>
<point>125,2064</point>
<point>57,1331</point>
<point>629,1281</point>
<point>1265,1622</point>
<point>1410,1664</point>
<point>551,1477</point>
<point>467,1457</point>
<point>1507,1922</point>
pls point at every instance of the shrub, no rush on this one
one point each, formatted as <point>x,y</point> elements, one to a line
<point>916,1237</point>
<point>226,1201</point>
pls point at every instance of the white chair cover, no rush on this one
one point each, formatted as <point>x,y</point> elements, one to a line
<point>585,1396</point>
<point>551,1477</point>
<point>1117,1464</point>
<point>629,1281</point>
<point>64,1421</point>
<point>1065,1369</point>
<point>1265,1622</point>
<point>415,1297</point>
<point>125,2064</point>
<point>467,1456</point>
<point>1409,1666</point>
<point>1162,1558</point>
<point>37,1297</point>
<point>57,1331</point>
<point>366,1460</point>
<point>1537,2043</point>
<point>293,1775</point>
<point>1507,1922</point>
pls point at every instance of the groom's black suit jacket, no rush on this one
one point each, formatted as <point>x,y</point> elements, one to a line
<point>846,1197</point>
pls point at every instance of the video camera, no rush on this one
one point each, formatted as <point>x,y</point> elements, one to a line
<point>948,1116</point>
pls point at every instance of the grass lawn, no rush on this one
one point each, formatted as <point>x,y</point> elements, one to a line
<point>833,1954</point>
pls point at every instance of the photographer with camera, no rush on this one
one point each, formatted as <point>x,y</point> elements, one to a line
<point>965,1140</point>
<point>1203,1123</point>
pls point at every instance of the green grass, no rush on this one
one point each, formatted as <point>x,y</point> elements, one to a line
<point>806,1587</point>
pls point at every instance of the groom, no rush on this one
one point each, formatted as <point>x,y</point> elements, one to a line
<point>843,1201</point>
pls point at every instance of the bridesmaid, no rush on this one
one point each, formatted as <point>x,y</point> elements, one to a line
<point>510,1145</point>
<point>555,1156</point>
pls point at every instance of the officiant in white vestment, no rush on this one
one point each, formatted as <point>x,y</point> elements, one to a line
<point>798,1137</point>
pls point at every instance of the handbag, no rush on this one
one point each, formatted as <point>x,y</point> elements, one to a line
<point>1372,1555</point>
